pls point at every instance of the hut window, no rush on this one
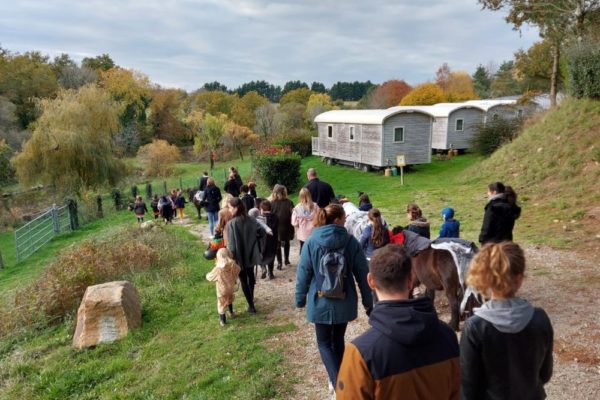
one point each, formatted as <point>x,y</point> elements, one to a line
<point>459,124</point>
<point>329,131</point>
<point>519,113</point>
<point>399,134</point>
<point>351,133</point>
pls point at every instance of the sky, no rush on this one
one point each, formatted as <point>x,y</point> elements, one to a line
<point>186,43</point>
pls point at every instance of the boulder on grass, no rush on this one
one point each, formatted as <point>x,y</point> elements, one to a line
<point>147,224</point>
<point>107,312</point>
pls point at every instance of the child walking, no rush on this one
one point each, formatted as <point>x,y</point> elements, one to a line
<point>225,274</point>
<point>271,243</point>
<point>140,209</point>
<point>451,227</point>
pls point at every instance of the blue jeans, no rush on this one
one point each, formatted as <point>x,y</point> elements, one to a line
<point>213,218</point>
<point>330,340</point>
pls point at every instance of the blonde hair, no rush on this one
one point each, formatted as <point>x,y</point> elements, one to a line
<point>495,268</point>
<point>224,217</point>
<point>226,199</point>
<point>279,192</point>
<point>306,199</point>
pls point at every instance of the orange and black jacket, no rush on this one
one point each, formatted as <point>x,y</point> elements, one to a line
<point>407,354</point>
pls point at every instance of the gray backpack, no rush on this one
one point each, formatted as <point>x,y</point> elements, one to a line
<point>331,273</point>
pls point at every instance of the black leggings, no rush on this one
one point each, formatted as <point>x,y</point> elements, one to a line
<point>248,280</point>
<point>286,250</point>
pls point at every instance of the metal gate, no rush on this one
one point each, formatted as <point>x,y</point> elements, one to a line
<point>40,230</point>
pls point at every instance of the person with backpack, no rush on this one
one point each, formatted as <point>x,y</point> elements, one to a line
<point>166,208</point>
<point>331,264</point>
<point>247,198</point>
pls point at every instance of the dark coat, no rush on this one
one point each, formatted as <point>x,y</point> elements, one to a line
<point>498,221</point>
<point>140,208</point>
<point>407,353</point>
<point>496,365</point>
<point>321,192</point>
<point>212,198</point>
<point>248,201</point>
<point>203,182</point>
<point>283,209</point>
<point>420,226</point>
<point>270,248</point>
<point>232,187</point>
<point>243,235</point>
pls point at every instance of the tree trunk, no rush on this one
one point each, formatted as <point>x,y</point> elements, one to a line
<point>554,77</point>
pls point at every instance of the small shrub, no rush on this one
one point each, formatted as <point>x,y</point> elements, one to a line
<point>277,164</point>
<point>158,157</point>
<point>584,70</point>
<point>490,136</point>
<point>7,172</point>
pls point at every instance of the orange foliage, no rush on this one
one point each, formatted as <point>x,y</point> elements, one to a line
<point>158,157</point>
<point>388,94</point>
<point>424,94</point>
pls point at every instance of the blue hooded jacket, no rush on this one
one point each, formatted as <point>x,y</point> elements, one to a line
<point>322,310</point>
<point>451,227</point>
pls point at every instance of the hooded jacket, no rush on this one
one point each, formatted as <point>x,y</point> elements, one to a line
<point>498,220</point>
<point>506,351</point>
<point>323,310</point>
<point>303,220</point>
<point>420,226</point>
<point>407,354</point>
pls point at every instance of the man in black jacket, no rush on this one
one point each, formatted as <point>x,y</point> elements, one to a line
<point>321,192</point>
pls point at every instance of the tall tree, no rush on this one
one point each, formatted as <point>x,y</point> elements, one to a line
<point>300,96</point>
<point>534,66</point>
<point>164,116</point>
<point>264,88</point>
<point>459,87</point>
<point>244,109</point>
<point>482,82</point>
<point>442,76</point>
<point>318,87</point>
<point>388,94</point>
<point>265,120</point>
<point>317,104</point>
<point>72,145</point>
<point>293,85</point>
<point>558,20</point>
<point>237,138</point>
<point>102,62</point>
<point>424,94</point>
<point>504,83</point>
<point>215,87</point>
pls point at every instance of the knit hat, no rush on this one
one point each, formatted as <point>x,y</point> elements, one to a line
<point>448,213</point>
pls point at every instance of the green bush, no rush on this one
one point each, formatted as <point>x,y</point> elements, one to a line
<point>299,142</point>
<point>490,136</point>
<point>7,172</point>
<point>584,70</point>
<point>277,164</point>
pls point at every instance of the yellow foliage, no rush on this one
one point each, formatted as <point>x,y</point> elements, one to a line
<point>459,87</point>
<point>158,157</point>
<point>424,94</point>
<point>301,96</point>
<point>126,86</point>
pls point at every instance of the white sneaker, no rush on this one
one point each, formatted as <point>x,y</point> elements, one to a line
<point>331,388</point>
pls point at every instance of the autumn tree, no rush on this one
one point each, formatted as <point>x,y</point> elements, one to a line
<point>238,137</point>
<point>533,67</point>
<point>558,21</point>
<point>505,83</point>
<point>70,75</point>
<point>317,104</point>
<point>318,87</point>
<point>72,145</point>
<point>264,88</point>
<point>293,85</point>
<point>25,78</point>
<point>442,76</point>
<point>7,171</point>
<point>165,116</point>
<point>158,157</point>
<point>299,96</point>
<point>388,94</point>
<point>244,109</point>
<point>214,102</point>
<point>10,130</point>
<point>214,87</point>
<point>423,95</point>
<point>459,87</point>
<point>208,130</point>
<point>102,62</point>
<point>289,117</point>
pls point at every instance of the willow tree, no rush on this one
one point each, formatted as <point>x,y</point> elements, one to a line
<point>71,148</point>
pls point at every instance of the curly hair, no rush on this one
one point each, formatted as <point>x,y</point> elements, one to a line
<point>495,268</point>
<point>378,233</point>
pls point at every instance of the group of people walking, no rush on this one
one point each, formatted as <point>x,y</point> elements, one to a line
<point>505,351</point>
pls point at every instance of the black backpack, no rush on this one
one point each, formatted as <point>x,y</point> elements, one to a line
<point>331,273</point>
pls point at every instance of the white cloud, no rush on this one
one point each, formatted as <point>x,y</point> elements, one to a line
<point>189,42</point>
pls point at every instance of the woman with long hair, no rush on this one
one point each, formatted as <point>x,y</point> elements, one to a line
<point>243,235</point>
<point>283,207</point>
<point>506,346</point>
<point>303,216</point>
<point>417,222</point>
<point>500,214</point>
<point>331,315</point>
<point>376,233</point>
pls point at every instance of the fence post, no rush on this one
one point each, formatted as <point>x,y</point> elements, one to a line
<point>180,183</point>
<point>73,217</point>
<point>165,185</point>
<point>55,221</point>
<point>148,191</point>
<point>1,262</point>
<point>99,212</point>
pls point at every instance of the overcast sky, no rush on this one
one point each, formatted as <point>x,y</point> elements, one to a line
<point>185,43</point>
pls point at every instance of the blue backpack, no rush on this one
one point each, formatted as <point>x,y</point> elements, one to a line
<point>331,274</point>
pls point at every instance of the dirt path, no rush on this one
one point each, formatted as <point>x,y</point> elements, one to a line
<point>564,284</point>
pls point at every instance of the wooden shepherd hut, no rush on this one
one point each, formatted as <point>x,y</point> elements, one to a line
<point>454,125</point>
<point>374,138</point>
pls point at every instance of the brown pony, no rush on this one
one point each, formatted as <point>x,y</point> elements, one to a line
<point>435,268</point>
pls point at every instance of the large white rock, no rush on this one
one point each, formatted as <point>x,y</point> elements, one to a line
<point>107,312</point>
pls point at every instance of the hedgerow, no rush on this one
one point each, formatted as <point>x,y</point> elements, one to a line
<point>277,164</point>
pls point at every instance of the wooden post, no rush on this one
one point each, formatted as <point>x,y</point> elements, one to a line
<point>402,175</point>
<point>1,263</point>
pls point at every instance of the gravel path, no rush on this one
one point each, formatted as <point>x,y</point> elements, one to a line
<point>565,284</point>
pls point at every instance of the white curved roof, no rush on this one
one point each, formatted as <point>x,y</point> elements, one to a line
<point>375,117</point>
<point>485,105</point>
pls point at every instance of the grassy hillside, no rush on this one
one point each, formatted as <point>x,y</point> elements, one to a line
<point>555,167</point>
